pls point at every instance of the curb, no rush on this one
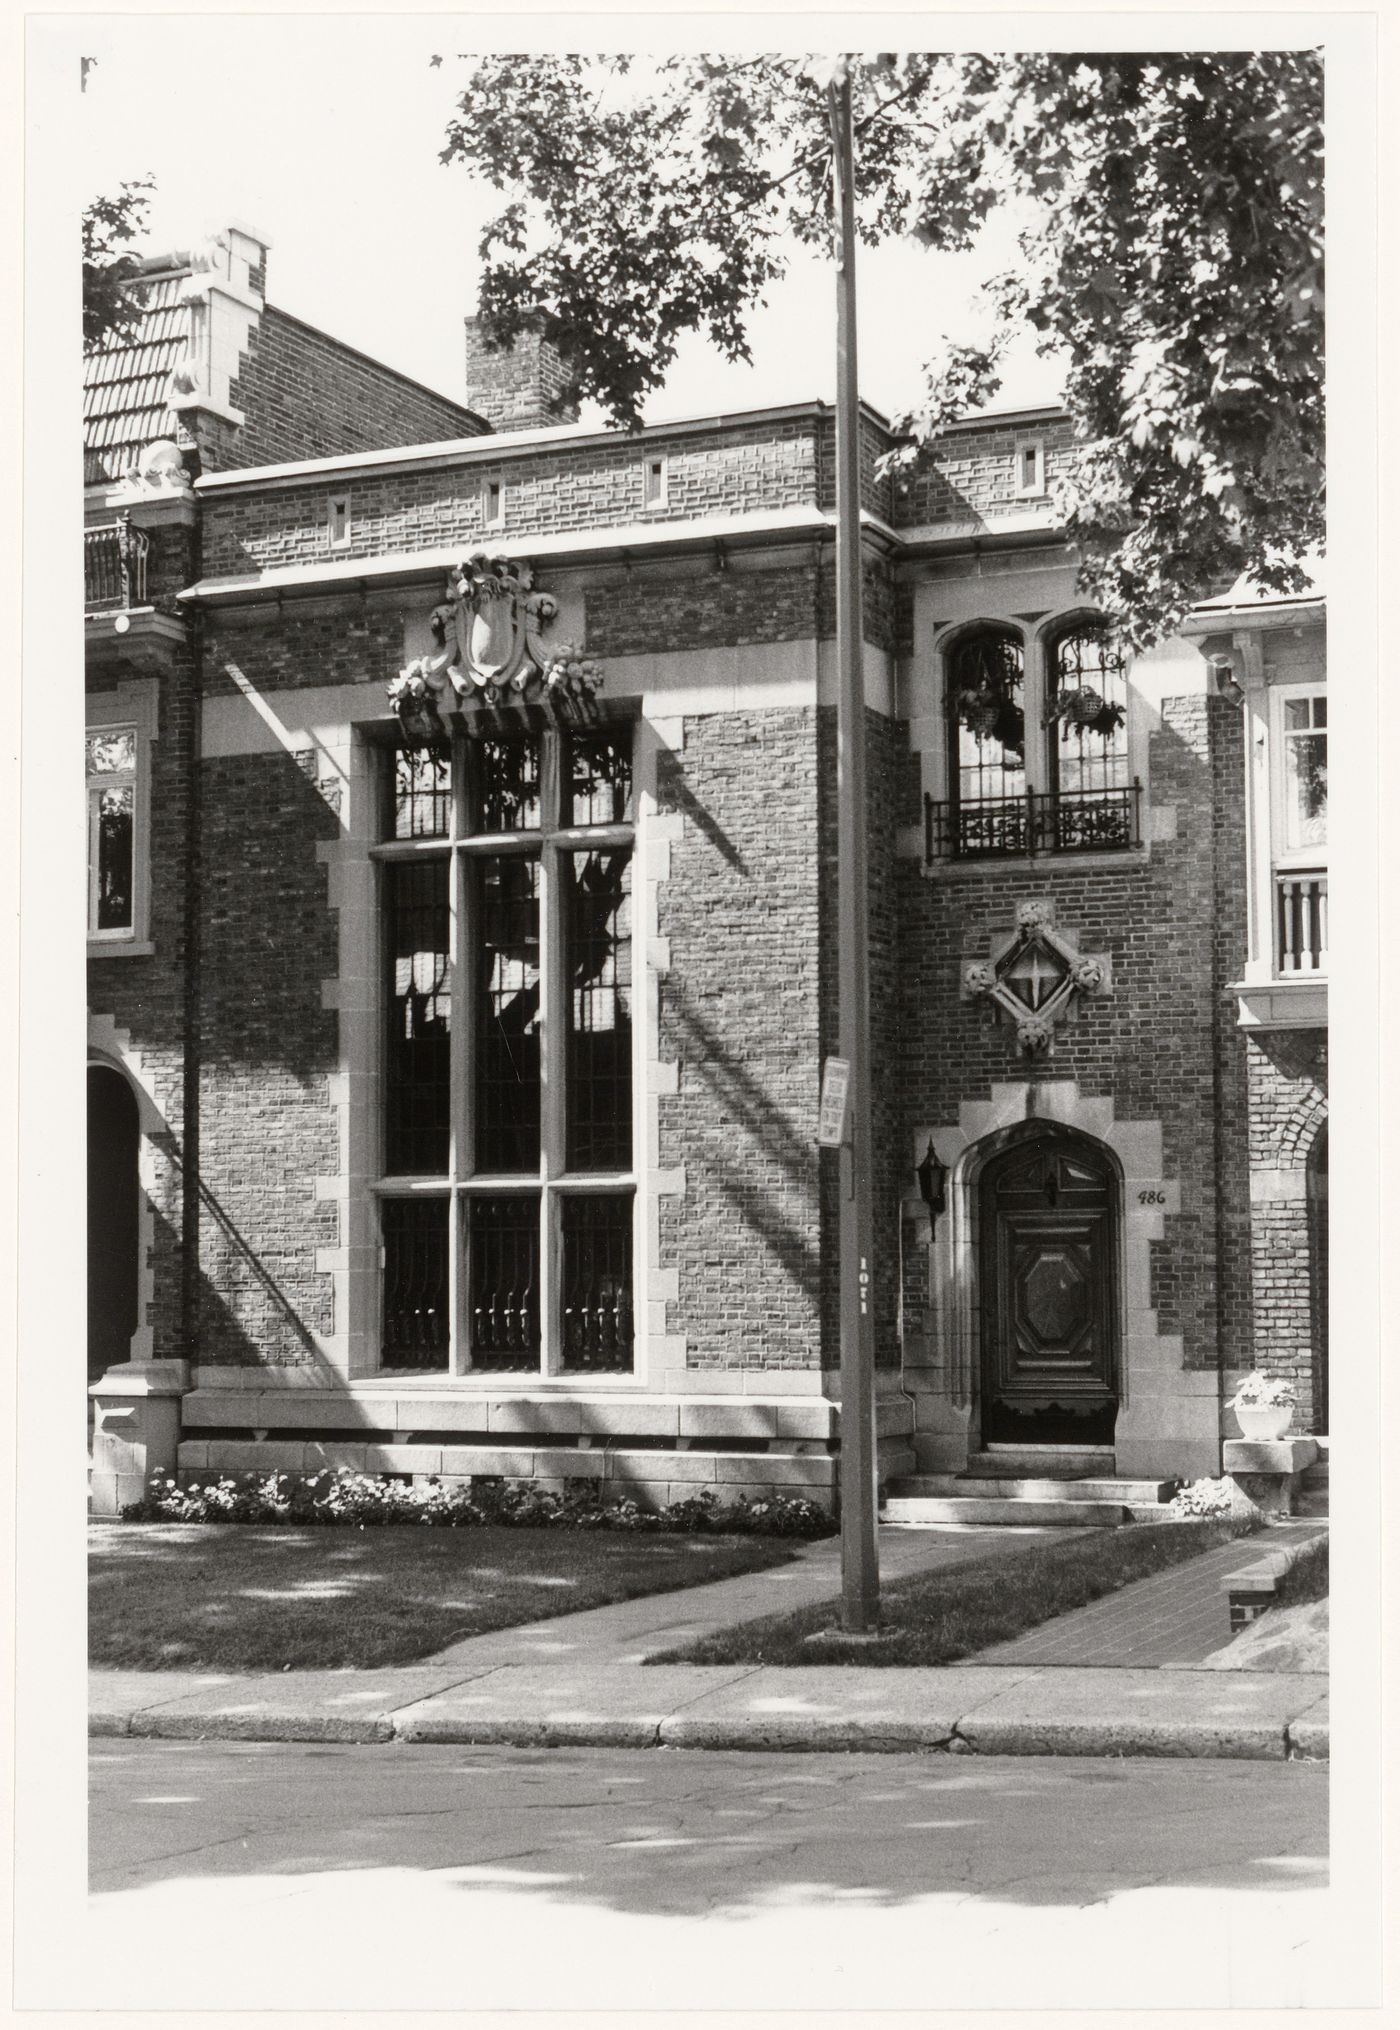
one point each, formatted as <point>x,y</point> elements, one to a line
<point>1114,1714</point>
<point>1301,1742</point>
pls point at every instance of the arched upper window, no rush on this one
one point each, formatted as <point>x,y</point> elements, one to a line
<point>1086,711</point>
<point>987,711</point>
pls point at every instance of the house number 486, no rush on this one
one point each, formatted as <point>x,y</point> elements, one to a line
<point>1152,1198</point>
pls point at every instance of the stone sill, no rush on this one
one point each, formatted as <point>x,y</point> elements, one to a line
<point>1021,865</point>
<point>1297,1003</point>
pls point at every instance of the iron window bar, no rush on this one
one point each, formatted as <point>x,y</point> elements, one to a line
<point>1039,821</point>
<point>114,564</point>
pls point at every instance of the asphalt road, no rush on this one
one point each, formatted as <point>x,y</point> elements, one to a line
<point>237,1875</point>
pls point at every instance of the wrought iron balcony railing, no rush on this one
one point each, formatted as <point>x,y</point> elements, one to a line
<point>1040,821</point>
<point>1301,922</point>
<point>114,564</point>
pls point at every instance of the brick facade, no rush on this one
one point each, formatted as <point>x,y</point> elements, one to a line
<point>721,656</point>
<point>739,1016</point>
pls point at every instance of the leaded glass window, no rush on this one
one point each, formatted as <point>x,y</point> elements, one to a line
<point>507,1184</point>
<point>986,694</point>
<point>1087,712</point>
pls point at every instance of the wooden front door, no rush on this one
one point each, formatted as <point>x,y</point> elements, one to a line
<point>1048,1215</point>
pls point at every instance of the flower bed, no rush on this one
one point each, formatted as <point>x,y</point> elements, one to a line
<point>344,1497</point>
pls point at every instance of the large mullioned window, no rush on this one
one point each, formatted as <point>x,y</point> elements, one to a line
<point>507,1188</point>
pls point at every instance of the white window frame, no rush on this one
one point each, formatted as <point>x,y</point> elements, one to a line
<point>132,705</point>
<point>339,527</point>
<point>490,487</point>
<point>1283,856</point>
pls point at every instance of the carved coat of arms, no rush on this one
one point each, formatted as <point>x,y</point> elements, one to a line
<point>489,636</point>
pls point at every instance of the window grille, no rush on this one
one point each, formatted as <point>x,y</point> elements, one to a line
<point>986,690</point>
<point>415,1331</point>
<point>597,1285</point>
<point>504,1246</point>
<point>1088,713</point>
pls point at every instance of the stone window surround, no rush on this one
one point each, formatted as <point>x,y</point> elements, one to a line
<point>135,703</point>
<point>1160,1400</point>
<point>929,721</point>
<point>355,1088</point>
<point>550,1186</point>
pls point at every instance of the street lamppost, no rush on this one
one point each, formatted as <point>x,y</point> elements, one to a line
<point>860,1569</point>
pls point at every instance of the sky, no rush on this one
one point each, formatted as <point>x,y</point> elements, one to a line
<point>328,143</point>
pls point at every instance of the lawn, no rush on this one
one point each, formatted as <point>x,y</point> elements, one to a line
<point>202,1596</point>
<point>942,1617</point>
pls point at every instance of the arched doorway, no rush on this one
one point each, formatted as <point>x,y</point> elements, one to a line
<point>1048,1220</point>
<point>1317,1275</point>
<point>113,1222</point>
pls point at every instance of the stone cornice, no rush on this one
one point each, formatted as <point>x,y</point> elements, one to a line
<point>632,541</point>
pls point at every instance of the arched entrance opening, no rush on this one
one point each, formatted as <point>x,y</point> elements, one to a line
<point>1317,1275</point>
<point>1048,1215</point>
<point>113,1221</point>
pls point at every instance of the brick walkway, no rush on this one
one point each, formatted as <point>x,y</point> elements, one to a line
<point>1175,1617</point>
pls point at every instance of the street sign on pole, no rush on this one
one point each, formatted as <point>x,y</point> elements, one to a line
<point>860,1572</point>
<point>831,1115</point>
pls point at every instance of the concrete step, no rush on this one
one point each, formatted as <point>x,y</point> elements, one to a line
<point>1017,1512</point>
<point>1042,1462</point>
<point>1034,1488</point>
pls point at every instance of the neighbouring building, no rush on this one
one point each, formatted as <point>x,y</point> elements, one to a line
<point>462,929</point>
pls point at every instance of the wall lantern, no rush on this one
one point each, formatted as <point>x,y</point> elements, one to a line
<point>933,1179</point>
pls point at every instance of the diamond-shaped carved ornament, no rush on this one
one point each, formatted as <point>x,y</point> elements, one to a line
<point>1034,979</point>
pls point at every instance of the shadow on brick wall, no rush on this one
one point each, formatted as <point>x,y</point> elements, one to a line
<point>758,1128</point>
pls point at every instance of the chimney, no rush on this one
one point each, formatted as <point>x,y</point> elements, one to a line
<point>522,388</point>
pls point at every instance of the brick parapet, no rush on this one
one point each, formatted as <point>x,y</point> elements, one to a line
<point>746,468</point>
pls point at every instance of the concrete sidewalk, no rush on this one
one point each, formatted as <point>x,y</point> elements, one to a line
<point>576,1680</point>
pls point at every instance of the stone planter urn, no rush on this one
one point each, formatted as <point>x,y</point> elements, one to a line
<point>1263,1422</point>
